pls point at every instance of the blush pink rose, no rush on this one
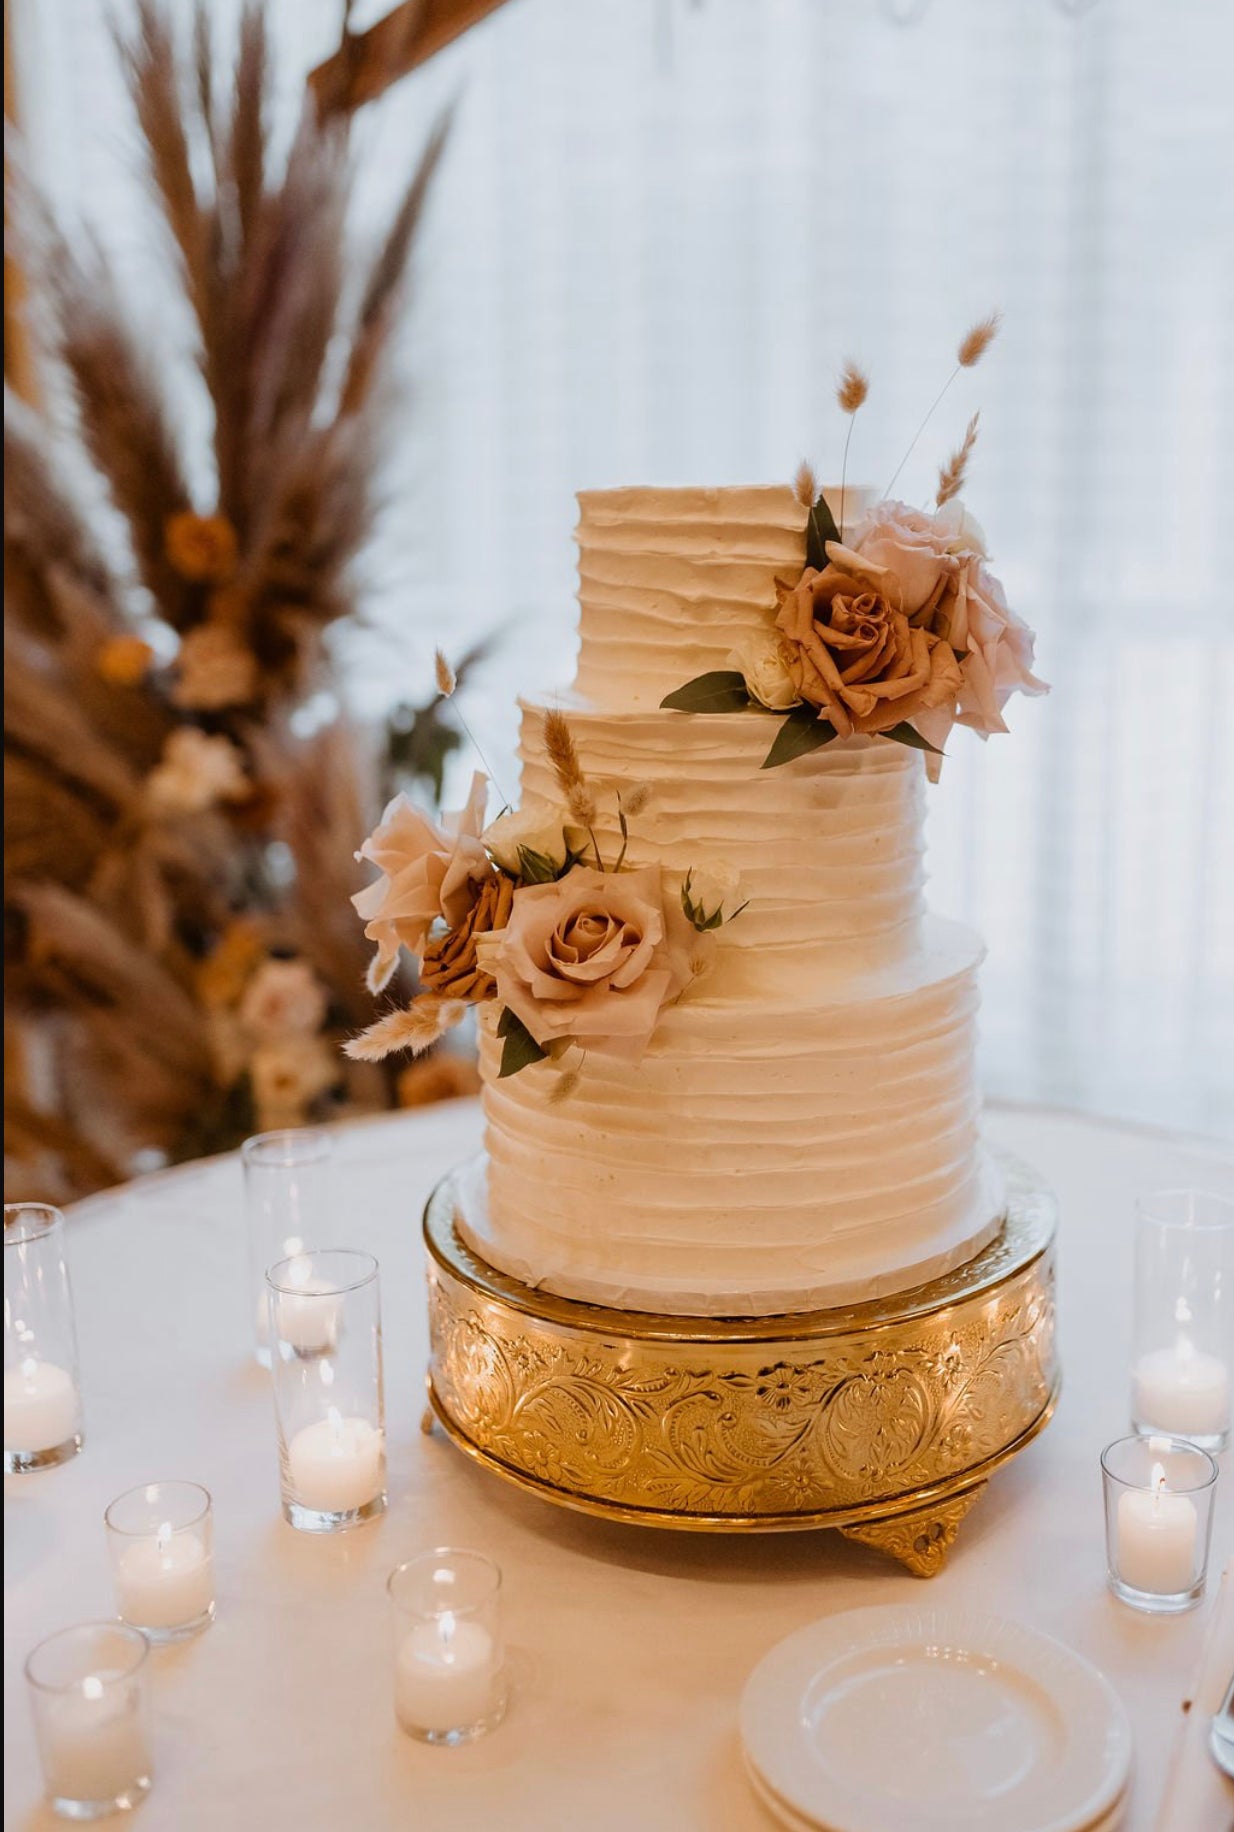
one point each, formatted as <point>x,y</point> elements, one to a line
<point>912,550</point>
<point>593,959</point>
<point>994,645</point>
<point>427,872</point>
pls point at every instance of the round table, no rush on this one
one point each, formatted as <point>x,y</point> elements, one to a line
<point>629,1647</point>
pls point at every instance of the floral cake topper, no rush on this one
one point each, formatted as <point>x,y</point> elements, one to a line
<point>901,631</point>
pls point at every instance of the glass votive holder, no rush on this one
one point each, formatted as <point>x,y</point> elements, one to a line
<point>1183,1355</point>
<point>89,1718</point>
<point>42,1390</point>
<point>449,1661</point>
<point>288,1208</point>
<point>1158,1521</point>
<point>161,1541</point>
<point>329,1404</point>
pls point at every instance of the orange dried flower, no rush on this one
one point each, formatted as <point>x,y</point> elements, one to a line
<point>202,548</point>
<point>124,661</point>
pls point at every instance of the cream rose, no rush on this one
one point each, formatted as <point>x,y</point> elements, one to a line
<point>767,677</point>
<point>709,895</point>
<point>593,959</point>
<point>537,828</point>
<point>427,872</point>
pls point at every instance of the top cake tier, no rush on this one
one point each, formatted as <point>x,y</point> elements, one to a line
<point>672,581</point>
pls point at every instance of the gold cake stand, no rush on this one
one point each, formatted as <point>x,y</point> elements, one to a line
<point>883,1420</point>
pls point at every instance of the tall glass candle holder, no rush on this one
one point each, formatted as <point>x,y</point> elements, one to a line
<point>449,1661</point>
<point>329,1403</point>
<point>42,1390</point>
<point>288,1191</point>
<point>1183,1358</point>
<point>1158,1521</point>
<point>161,1540</point>
<point>86,1694</point>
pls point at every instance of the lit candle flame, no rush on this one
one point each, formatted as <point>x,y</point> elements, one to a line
<point>92,1687</point>
<point>445,1628</point>
<point>29,1368</point>
<point>163,1536</point>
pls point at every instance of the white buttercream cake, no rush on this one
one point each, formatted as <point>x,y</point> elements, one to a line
<point>802,1131</point>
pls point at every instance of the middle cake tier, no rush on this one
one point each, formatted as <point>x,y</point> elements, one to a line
<point>802,1130</point>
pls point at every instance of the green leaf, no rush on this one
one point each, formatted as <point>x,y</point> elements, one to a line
<point>904,733</point>
<point>723,690</point>
<point>521,1048</point>
<point>803,731</point>
<point>537,867</point>
<point>820,529</point>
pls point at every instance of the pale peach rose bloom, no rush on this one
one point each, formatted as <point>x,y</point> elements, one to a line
<point>912,550</point>
<point>593,959</point>
<point>427,872</point>
<point>195,772</point>
<point>996,649</point>
<point>937,564</point>
<point>284,999</point>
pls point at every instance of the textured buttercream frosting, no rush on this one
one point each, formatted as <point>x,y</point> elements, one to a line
<point>803,1128</point>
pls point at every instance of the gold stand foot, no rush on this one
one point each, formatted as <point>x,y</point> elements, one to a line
<point>427,1421</point>
<point>920,1540</point>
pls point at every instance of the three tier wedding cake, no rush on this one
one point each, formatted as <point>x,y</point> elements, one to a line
<point>727,1053</point>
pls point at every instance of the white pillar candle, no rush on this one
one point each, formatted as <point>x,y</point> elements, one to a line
<point>41,1406</point>
<point>336,1465</point>
<point>92,1742</point>
<point>1182,1391</point>
<point>165,1581</point>
<point>445,1675</point>
<point>1157,1539</point>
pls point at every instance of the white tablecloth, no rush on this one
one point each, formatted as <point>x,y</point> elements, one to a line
<point>630,1646</point>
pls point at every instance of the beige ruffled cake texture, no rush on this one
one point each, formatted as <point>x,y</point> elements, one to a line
<point>803,1128</point>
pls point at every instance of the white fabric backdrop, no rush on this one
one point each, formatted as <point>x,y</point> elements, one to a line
<point>660,228</point>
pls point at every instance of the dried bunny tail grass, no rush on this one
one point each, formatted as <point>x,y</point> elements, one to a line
<point>417,1028</point>
<point>635,799</point>
<point>562,754</point>
<point>951,476</point>
<point>447,679</point>
<point>852,388</point>
<point>978,340</point>
<point>565,1085</point>
<point>972,348</point>
<point>805,485</point>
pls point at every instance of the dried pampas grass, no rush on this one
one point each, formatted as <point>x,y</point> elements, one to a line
<point>805,485</point>
<point>852,388</point>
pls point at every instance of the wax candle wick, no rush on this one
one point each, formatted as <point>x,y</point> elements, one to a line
<point>446,1626</point>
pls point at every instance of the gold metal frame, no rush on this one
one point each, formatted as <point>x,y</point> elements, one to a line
<point>883,1420</point>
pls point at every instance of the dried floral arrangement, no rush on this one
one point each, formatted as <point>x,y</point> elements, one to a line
<point>899,631</point>
<point>178,848</point>
<point>579,952</point>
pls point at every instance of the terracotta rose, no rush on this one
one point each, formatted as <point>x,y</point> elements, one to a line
<point>593,958</point>
<point>427,872</point>
<point>852,652</point>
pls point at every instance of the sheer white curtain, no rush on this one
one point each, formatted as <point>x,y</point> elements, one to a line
<point>660,228</point>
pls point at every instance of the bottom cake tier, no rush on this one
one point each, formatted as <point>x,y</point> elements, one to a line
<point>884,1419</point>
<point>767,1155</point>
